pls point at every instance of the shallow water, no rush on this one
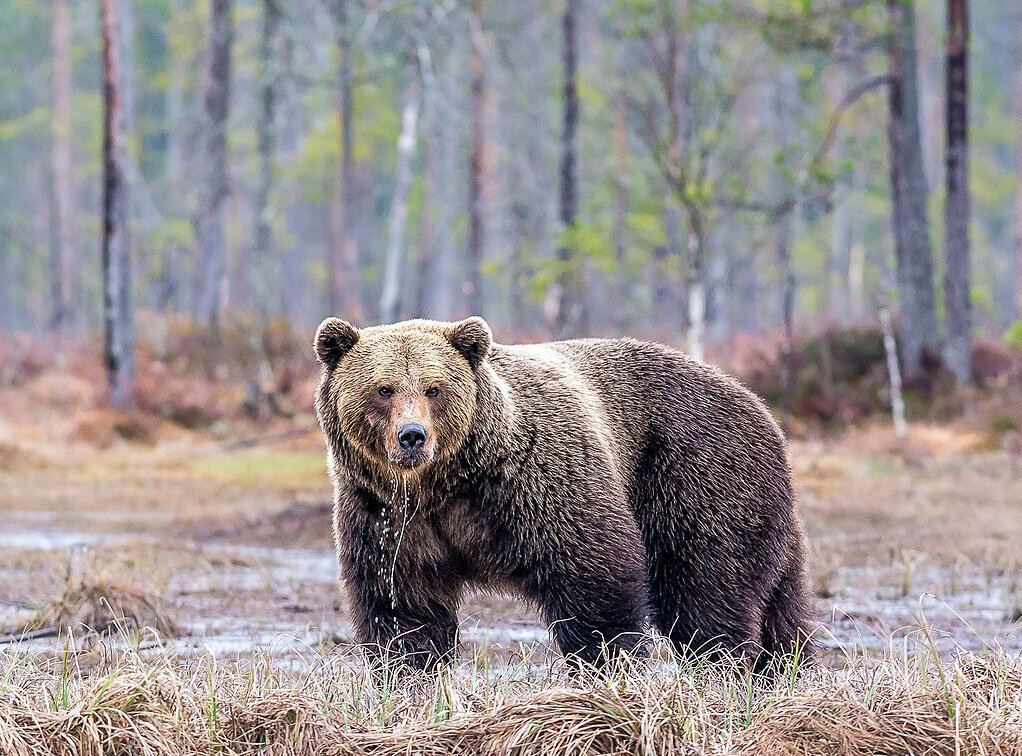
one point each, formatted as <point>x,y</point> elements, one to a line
<point>48,539</point>
<point>282,601</point>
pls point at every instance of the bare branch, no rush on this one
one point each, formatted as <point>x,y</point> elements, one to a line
<point>851,97</point>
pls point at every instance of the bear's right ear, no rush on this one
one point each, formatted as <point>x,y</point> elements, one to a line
<point>334,338</point>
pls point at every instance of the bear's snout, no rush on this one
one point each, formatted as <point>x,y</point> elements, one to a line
<point>411,437</point>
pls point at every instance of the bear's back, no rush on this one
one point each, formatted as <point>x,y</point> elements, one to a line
<point>636,390</point>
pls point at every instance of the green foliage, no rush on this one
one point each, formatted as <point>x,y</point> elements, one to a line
<point>29,123</point>
<point>592,242</point>
<point>1013,336</point>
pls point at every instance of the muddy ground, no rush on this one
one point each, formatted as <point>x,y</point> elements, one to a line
<point>236,542</point>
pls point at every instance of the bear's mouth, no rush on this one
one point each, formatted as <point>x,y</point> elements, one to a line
<point>409,460</point>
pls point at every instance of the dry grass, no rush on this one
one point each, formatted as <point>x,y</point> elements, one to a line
<point>908,703</point>
<point>104,607</point>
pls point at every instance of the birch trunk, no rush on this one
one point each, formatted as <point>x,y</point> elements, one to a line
<point>894,373</point>
<point>390,297</point>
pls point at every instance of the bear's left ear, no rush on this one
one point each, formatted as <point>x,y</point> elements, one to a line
<point>334,338</point>
<point>472,337</point>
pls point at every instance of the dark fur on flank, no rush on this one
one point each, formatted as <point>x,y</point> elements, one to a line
<point>606,481</point>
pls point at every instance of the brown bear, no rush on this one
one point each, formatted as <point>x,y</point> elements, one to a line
<point>605,481</point>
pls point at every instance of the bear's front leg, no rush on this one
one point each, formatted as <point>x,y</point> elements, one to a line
<point>588,574</point>
<point>595,616</point>
<point>420,635</point>
<point>397,613</point>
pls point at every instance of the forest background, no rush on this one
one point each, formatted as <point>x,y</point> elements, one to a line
<point>721,176</point>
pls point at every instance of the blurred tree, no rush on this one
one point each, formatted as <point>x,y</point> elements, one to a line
<point>913,256</point>
<point>620,302</point>
<point>697,102</point>
<point>957,289</point>
<point>344,285</point>
<point>63,181</point>
<point>569,316</point>
<point>1017,105</point>
<point>117,312</point>
<point>640,212</point>
<point>390,297</point>
<point>211,222</point>
<point>473,287</point>
<point>265,254</point>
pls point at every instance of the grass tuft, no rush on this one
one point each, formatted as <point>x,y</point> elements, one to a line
<point>906,703</point>
<point>104,607</point>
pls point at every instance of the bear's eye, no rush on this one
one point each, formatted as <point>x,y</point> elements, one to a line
<point>431,393</point>
<point>385,392</point>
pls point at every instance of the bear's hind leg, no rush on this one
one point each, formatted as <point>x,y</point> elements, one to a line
<point>785,627</point>
<point>702,595</point>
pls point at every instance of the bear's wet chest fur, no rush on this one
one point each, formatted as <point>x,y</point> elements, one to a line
<point>470,544</point>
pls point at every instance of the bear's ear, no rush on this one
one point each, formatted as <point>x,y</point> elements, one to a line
<point>334,338</point>
<point>471,337</point>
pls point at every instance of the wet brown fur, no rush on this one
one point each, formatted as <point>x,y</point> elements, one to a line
<point>606,481</point>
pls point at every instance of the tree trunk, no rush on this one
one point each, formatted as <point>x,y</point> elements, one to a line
<point>63,183</point>
<point>390,297</point>
<point>211,224</point>
<point>262,268</point>
<point>448,271</point>
<point>345,289</point>
<point>1018,188</point>
<point>425,284</point>
<point>621,278</point>
<point>785,123</point>
<point>675,85</point>
<point>474,274</point>
<point>117,327</point>
<point>176,121</point>
<point>913,256</point>
<point>425,259</point>
<point>956,227</point>
<point>569,317</point>
<point>696,291</point>
<point>836,294</point>
<point>785,239</point>
<point>894,373</point>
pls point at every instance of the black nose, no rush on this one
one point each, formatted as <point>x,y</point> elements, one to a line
<point>411,436</point>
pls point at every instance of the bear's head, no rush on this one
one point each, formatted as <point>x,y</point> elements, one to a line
<point>401,395</point>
